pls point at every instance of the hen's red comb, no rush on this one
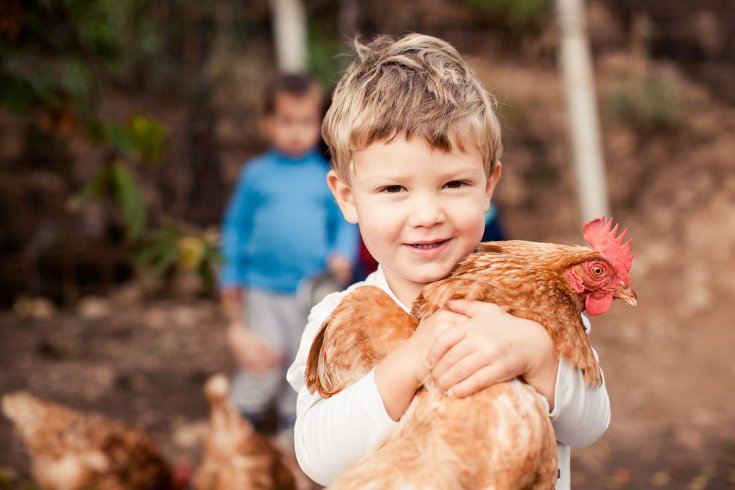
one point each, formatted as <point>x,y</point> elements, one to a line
<point>601,236</point>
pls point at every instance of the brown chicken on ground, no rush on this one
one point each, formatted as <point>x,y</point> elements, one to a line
<point>74,450</point>
<point>500,437</point>
<point>235,456</point>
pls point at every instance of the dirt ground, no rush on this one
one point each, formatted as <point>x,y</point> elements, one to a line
<point>668,363</point>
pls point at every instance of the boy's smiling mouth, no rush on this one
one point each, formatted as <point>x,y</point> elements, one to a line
<point>427,245</point>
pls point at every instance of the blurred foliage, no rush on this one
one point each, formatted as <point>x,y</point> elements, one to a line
<point>646,104</point>
<point>115,181</point>
<point>172,247</point>
<point>519,16</point>
<point>326,54</point>
<point>63,63</point>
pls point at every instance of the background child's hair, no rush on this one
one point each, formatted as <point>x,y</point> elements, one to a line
<point>293,84</point>
<point>415,86</point>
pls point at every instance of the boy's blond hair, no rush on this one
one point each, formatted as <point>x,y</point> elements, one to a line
<point>415,86</point>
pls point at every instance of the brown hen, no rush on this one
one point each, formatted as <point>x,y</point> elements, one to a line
<point>500,437</point>
<point>73,450</point>
<point>235,456</point>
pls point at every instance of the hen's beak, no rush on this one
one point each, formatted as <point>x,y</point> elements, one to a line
<point>627,295</point>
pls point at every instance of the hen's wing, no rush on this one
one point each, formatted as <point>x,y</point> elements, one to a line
<point>562,322</point>
<point>361,331</point>
<point>435,295</point>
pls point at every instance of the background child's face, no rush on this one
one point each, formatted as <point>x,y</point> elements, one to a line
<point>293,127</point>
<point>420,210</point>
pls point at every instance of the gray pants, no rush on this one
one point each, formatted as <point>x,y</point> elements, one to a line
<point>281,320</point>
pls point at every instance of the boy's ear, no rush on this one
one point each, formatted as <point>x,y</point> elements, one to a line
<point>492,181</point>
<point>342,193</point>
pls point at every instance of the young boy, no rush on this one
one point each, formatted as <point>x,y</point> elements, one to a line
<point>282,225</point>
<point>416,147</point>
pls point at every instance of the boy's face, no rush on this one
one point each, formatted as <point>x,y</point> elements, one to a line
<point>420,210</point>
<point>293,127</point>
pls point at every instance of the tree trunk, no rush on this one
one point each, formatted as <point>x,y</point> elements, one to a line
<point>582,109</point>
<point>289,33</point>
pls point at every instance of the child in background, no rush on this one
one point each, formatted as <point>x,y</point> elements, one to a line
<point>494,230</point>
<point>281,226</point>
<point>416,145</point>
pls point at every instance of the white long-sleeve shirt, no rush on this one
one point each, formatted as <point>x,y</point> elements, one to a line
<point>333,433</point>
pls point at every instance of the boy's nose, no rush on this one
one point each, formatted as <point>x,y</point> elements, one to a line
<point>427,211</point>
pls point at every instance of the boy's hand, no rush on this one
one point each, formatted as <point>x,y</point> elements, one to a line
<point>251,350</point>
<point>489,347</point>
<point>404,370</point>
<point>437,328</point>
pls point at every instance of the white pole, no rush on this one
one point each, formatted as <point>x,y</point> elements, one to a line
<point>582,109</point>
<point>289,33</point>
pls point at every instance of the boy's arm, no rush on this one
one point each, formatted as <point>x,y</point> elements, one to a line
<point>403,370</point>
<point>333,433</point>
<point>581,415</point>
<point>330,434</point>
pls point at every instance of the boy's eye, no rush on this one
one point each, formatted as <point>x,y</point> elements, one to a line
<point>391,189</point>
<point>455,184</point>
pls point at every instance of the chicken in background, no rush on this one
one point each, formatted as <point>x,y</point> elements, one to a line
<point>500,437</point>
<point>74,450</point>
<point>235,456</point>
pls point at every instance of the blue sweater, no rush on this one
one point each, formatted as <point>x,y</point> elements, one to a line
<point>282,224</point>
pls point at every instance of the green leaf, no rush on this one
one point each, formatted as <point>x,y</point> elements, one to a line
<point>76,79</point>
<point>148,137</point>
<point>120,138</point>
<point>95,188</point>
<point>95,131</point>
<point>165,261</point>
<point>128,199</point>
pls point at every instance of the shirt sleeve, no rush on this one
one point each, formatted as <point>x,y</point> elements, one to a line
<point>236,228</point>
<point>332,433</point>
<point>581,414</point>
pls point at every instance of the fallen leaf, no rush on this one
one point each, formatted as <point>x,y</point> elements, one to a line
<point>622,476</point>
<point>660,478</point>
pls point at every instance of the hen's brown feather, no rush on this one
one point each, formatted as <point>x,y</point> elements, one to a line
<point>367,319</point>
<point>73,450</point>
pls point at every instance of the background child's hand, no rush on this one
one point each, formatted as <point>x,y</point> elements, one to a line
<point>491,346</point>
<point>231,299</point>
<point>341,268</point>
<point>251,350</point>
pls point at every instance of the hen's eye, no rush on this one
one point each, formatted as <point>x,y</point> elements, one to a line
<point>597,270</point>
